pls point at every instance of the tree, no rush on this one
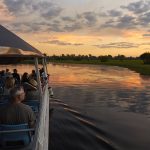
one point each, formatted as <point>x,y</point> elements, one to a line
<point>145,57</point>
<point>103,58</point>
<point>120,57</point>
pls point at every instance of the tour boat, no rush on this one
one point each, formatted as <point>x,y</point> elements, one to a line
<point>12,50</point>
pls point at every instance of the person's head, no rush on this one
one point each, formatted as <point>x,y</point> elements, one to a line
<point>33,71</point>
<point>42,69</point>
<point>25,75</point>
<point>17,94</point>
<point>15,70</point>
<point>7,70</point>
<point>10,82</point>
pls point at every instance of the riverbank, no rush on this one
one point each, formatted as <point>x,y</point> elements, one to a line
<point>135,65</point>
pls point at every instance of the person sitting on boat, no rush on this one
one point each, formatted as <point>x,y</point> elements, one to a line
<point>8,73</point>
<point>9,84</point>
<point>2,82</point>
<point>16,76</point>
<point>15,112</point>
<point>33,75</point>
<point>32,92</point>
<point>44,76</point>
<point>41,71</point>
<point>2,73</point>
<point>25,77</point>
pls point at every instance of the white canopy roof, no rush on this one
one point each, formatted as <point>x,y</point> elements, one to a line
<point>13,46</point>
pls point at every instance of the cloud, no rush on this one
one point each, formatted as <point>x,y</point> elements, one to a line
<point>47,16</point>
<point>68,19</point>
<point>73,27</point>
<point>146,35</point>
<point>118,45</point>
<point>34,15</point>
<point>123,22</point>
<point>5,15</point>
<point>62,43</point>
<point>114,13</point>
<point>138,7</point>
<point>139,16</point>
<point>29,7</point>
<point>52,13</point>
<point>144,19</point>
<point>126,22</point>
<point>19,7</point>
<point>122,45</point>
<point>90,18</point>
<point>142,44</point>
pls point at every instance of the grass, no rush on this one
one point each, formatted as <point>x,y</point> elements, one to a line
<point>135,65</point>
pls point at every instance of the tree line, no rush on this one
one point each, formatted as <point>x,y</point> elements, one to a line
<point>103,58</point>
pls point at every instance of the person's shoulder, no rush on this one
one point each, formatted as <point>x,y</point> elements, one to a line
<point>26,107</point>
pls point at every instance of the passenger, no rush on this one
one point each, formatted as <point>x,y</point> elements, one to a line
<point>16,112</point>
<point>16,76</point>
<point>2,73</point>
<point>41,71</point>
<point>8,73</point>
<point>43,76</point>
<point>7,70</point>
<point>25,77</point>
<point>2,82</point>
<point>32,91</point>
<point>33,75</point>
<point>9,84</point>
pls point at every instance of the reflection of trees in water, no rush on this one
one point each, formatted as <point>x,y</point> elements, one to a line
<point>146,78</point>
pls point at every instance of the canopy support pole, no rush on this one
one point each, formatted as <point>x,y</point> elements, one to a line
<point>44,65</point>
<point>38,77</point>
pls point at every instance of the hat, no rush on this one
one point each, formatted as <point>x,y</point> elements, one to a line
<point>31,85</point>
<point>33,82</point>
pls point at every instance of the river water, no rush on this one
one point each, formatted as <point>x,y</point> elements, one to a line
<point>97,108</point>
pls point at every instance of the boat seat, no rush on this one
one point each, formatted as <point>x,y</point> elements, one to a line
<point>1,90</point>
<point>3,103</point>
<point>34,104</point>
<point>13,136</point>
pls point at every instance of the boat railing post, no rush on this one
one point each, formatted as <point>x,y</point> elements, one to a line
<point>44,66</point>
<point>38,77</point>
<point>45,63</point>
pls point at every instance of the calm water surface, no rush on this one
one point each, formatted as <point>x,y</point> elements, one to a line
<point>98,107</point>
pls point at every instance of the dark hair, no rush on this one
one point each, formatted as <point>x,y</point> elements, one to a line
<point>7,70</point>
<point>15,70</point>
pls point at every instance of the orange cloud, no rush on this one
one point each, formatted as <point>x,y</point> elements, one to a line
<point>5,15</point>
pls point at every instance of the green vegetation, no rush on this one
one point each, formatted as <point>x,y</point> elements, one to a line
<point>135,64</point>
<point>146,58</point>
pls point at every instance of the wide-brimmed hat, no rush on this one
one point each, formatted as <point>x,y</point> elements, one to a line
<point>30,85</point>
<point>33,82</point>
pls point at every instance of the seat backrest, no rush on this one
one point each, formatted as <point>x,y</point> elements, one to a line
<point>34,104</point>
<point>14,139</point>
<point>1,89</point>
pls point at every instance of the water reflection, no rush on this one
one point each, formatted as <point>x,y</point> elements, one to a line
<point>94,75</point>
<point>104,86</point>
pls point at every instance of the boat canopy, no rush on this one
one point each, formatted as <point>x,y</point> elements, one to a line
<point>13,46</point>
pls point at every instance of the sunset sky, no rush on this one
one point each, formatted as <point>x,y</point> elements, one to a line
<point>97,27</point>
